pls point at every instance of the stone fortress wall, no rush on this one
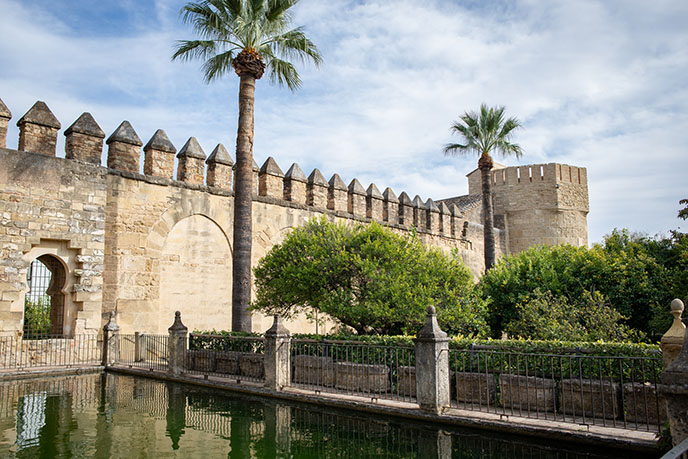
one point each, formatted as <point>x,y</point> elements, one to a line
<point>139,241</point>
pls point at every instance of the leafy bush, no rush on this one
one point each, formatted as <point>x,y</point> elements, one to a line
<point>36,318</point>
<point>369,278</point>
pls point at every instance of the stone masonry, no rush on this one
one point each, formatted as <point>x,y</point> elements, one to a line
<point>137,242</point>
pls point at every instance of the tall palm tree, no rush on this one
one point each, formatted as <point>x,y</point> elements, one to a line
<point>483,134</point>
<point>250,36</point>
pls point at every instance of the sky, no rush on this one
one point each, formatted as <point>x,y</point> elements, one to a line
<point>598,84</point>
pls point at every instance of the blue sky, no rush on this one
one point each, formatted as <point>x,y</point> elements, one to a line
<point>599,84</point>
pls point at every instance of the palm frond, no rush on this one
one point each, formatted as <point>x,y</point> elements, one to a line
<point>194,49</point>
<point>217,66</point>
<point>284,73</point>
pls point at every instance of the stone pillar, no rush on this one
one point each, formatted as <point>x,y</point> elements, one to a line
<point>316,190</point>
<point>177,346</point>
<point>672,340</point>
<point>374,203</point>
<point>337,196</point>
<point>84,140</point>
<point>110,342</point>
<point>295,185</point>
<point>390,207</point>
<point>433,216</point>
<point>356,200</point>
<point>5,117</point>
<point>420,214</point>
<point>220,168</point>
<point>190,168</point>
<point>38,130</point>
<point>456,221</point>
<point>405,210</point>
<point>140,349</point>
<point>445,220</point>
<point>124,149</point>
<point>277,356</point>
<point>432,365</point>
<point>158,156</point>
<point>270,179</point>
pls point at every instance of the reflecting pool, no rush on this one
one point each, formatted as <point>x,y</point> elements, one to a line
<point>116,416</point>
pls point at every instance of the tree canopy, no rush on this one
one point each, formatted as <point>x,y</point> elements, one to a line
<point>369,278</point>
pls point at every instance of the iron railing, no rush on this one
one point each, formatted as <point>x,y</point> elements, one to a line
<point>239,358</point>
<point>19,354</point>
<point>612,391</point>
<point>370,370</point>
<point>142,350</point>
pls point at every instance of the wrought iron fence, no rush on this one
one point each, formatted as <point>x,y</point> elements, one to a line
<point>371,370</point>
<point>17,353</point>
<point>613,391</point>
<point>231,357</point>
<point>142,350</point>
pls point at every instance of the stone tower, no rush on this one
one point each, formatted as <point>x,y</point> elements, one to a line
<point>538,204</point>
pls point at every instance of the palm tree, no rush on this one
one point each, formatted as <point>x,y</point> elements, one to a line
<point>484,133</point>
<point>249,36</point>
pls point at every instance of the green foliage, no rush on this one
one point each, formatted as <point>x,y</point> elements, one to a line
<point>591,318</point>
<point>36,318</point>
<point>226,341</point>
<point>369,278</point>
<point>637,275</point>
<point>683,213</point>
<point>227,27</point>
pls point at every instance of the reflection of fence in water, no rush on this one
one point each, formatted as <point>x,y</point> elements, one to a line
<point>83,391</point>
<point>142,395</point>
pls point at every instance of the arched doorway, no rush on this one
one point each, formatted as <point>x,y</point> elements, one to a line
<point>44,303</point>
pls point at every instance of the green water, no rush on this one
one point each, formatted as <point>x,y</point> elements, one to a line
<point>114,416</point>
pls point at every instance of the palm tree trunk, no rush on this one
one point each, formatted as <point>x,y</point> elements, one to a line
<point>488,218</point>
<point>243,189</point>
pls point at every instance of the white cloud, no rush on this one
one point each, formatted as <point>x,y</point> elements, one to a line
<point>599,84</point>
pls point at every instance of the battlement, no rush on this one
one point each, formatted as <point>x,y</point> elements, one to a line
<point>530,174</point>
<point>84,142</point>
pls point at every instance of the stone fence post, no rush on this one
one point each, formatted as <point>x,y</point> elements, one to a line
<point>110,341</point>
<point>277,358</point>
<point>674,384</point>
<point>672,340</point>
<point>176,346</point>
<point>432,365</point>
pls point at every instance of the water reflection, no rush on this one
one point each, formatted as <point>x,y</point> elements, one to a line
<point>116,416</point>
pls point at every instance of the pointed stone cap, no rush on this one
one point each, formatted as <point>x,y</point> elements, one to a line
<point>178,326</point>
<point>444,210</point>
<point>160,142</point>
<point>40,114</point>
<point>316,178</point>
<point>373,192</point>
<point>430,204</point>
<point>111,326</point>
<point>86,125</point>
<point>431,331</point>
<point>4,111</point>
<point>220,155</point>
<point>125,134</point>
<point>295,173</point>
<point>455,211</point>
<point>418,202</point>
<point>355,187</point>
<point>389,195</point>
<point>270,167</point>
<point>191,149</point>
<point>677,330</point>
<point>337,183</point>
<point>278,329</point>
<point>405,200</point>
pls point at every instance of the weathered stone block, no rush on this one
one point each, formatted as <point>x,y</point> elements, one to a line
<point>360,377</point>
<point>643,405</point>
<point>220,168</point>
<point>337,196</point>
<point>38,130</point>
<point>84,140</point>
<point>202,361</point>
<point>594,398</point>
<point>191,159</point>
<point>475,387</point>
<point>406,381</point>
<point>227,362</point>
<point>316,190</point>
<point>251,365</point>
<point>311,369</point>
<point>527,393</point>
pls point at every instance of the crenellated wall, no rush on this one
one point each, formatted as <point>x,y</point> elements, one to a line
<point>140,241</point>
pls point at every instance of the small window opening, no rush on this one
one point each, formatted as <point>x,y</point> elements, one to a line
<point>44,302</point>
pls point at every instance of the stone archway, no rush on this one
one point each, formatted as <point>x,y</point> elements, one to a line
<point>196,275</point>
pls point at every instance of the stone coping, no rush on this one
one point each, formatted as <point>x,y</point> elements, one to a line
<point>610,437</point>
